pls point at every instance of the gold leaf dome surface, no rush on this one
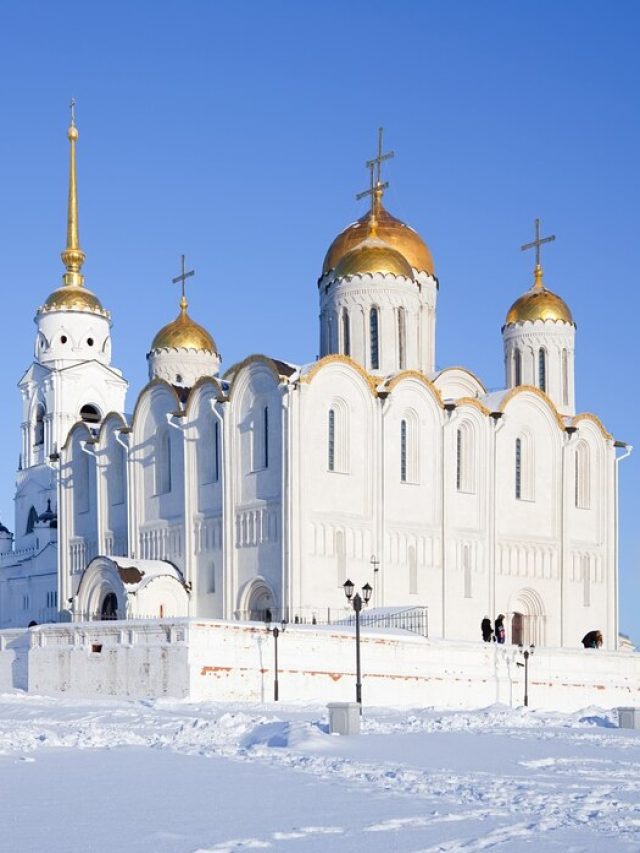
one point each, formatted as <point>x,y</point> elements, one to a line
<point>392,231</point>
<point>73,298</point>
<point>538,303</point>
<point>184,333</point>
<point>373,255</point>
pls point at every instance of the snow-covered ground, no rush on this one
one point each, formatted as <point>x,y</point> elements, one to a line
<point>109,775</point>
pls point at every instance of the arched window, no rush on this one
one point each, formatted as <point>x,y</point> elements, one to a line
<point>208,452</point>
<point>341,557</point>
<point>465,458</point>
<point>524,470</point>
<point>466,567</point>
<point>90,414</point>
<point>565,378</point>
<point>163,461</point>
<point>338,437</point>
<point>402,336</point>
<point>38,431</point>
<point>32,519</point>
<point>346,333</point>
<point>117,474</point>
<point>542,369</point>
<point>331,444</point>
<point>81,490</point>
<point>413,570</point>
<point>517,367</point>
<point>409,444</point>
<point>582,476</point>
<point>265,422</point>
<point>374,339</point>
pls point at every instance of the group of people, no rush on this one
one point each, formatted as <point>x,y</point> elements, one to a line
<point>495,632</point>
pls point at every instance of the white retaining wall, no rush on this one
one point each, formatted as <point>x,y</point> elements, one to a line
<point>230,661</point>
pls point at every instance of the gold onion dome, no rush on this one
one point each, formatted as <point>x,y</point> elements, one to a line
<point>73,298</point>
<point>373,255</point>
<point>538,303</point>
<point>184,333</point>
<point>392,231</point>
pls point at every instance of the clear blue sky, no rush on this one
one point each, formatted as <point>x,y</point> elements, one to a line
<point>236,133</point>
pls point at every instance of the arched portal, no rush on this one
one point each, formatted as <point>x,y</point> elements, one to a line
<point>527,618</point>
<point>109,607</point>
<point>257,602</point>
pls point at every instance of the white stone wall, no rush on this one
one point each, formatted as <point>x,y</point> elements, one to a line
<point>220,661</point>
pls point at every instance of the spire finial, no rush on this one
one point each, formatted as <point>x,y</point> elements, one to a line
<point>538,284</point>
<point>73,256</point>
<point>182,278</point>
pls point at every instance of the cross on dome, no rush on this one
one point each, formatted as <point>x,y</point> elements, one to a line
<point>377,186</point>
<point>182,279</point>
<point>537,243</point>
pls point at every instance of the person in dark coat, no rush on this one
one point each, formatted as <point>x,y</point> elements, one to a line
<point>487,630</point>
<point>501,634</point>
<point>592,640</point>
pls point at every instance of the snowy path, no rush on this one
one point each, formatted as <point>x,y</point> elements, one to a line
<point>93,775</point>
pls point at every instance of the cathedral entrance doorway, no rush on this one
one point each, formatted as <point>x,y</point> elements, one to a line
<point>256,603</point>
<point>109,609</point>
<point>527,618</point>
<point>517,629</point>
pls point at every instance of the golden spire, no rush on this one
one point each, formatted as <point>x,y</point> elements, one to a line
<point>73,256</point>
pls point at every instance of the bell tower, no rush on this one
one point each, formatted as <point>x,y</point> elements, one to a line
<point>71,377</point>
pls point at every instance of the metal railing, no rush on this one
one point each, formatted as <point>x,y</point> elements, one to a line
<point>412,619</point>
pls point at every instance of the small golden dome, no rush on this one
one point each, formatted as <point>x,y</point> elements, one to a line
<point>73,298</point>
<point>184,333</point>
<point>373,256</point>
<point>395,233</point>
<point>538,303</point>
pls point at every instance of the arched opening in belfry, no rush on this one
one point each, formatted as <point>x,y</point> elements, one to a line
<point>90,414</point>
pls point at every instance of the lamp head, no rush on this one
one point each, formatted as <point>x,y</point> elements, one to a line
<point>348,589</point>
<point>367,589</point>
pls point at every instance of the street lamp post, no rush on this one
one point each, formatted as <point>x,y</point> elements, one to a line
<point>276,633</point>
<point>526,654</point>
<point>358,602</point>
<point>375,565</point>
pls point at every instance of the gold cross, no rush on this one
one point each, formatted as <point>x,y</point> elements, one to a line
<point>183,277</point>
<point>376,187</point>
<point>539,241</point>
<point>379,160</point>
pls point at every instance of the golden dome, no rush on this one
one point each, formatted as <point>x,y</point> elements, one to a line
<point>395,233</point>
<point>538,303</point>
<point>373,255</point>
<point>73,298</point>
<point>184,333</point>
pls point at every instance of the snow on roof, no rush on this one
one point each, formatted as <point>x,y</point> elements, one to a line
<point>137,573</point>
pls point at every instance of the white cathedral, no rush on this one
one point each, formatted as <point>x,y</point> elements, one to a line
<point>264,488</point>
